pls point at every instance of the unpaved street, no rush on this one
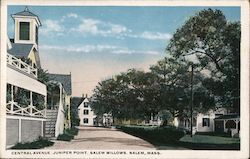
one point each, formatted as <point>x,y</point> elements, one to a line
<point>102,138</point>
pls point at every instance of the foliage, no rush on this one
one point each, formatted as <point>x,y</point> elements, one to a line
<point>43,76</point>
<point>68,134</point>
<point>22,97</point>
<point>38,101</point>
<point>160,135</point>
<point>38,144</point>
<point>65,137</point>
<point>213,43</point>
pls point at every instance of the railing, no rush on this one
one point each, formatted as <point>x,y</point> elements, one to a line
<point>19,64</point>
<point>14,109</point>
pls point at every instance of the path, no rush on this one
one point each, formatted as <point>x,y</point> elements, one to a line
<point>102,138</point>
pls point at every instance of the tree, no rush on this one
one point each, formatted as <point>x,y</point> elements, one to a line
<point>214,44</point>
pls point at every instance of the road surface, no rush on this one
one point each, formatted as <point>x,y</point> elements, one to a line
<point>102,139</point>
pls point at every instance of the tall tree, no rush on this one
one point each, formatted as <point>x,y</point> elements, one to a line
<point>214,44</point>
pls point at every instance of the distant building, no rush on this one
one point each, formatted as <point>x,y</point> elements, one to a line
<point>86,114</point>
<point>218,120</point>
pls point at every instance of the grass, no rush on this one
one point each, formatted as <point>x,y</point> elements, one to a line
<point>170,138</point>
<point>37,144</point>
<point>206,142</point>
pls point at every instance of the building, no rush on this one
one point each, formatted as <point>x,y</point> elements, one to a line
<point>33,109</point>
<point>218,120</point>
<point>26,96</point>
<point>86,114</point>
<point>58,107</point>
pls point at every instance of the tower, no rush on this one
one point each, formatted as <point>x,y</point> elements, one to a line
<point>25,42</point>
<point>26,27</point>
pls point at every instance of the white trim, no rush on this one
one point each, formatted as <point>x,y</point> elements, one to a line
<point>19,129</point>
<point>24,117</point>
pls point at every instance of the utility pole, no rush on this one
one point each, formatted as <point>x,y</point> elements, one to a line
<point>192,98</point>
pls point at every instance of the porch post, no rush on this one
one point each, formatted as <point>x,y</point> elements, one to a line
<point>31,103</point>
<point>12,97</point>
<point>19,130</point>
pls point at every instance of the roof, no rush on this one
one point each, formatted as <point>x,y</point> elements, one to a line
<point>229,116</point>
<point>26,12</point>
<point>83,100</point>
<point>20,50</point>
<point>64,79</point>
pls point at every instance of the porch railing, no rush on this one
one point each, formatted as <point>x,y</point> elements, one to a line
<point>19,64</point>
<point>13,108</point>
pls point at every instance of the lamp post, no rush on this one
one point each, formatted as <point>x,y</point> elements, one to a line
<point>192,97</point>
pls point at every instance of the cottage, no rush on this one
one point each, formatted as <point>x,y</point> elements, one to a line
<point>86,114</point>
<point>26,96</point>
<point>31,109</point>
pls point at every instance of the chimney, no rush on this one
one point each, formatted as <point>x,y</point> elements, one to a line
<point>86,96</point>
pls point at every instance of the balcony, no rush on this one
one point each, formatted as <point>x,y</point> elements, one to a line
<point>20,65</point>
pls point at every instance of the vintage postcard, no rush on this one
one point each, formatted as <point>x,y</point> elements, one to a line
<point>124,79</point>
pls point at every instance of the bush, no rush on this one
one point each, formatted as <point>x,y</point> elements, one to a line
<point>155,134</point>
<point>37,144</point>
<point>68,134</point>
<point>72,131</point>
<point>65,137</point>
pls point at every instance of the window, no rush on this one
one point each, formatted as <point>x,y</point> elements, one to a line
<point>36,35</point>
<point>85,104</point>
<point>205,122</point>
<point>85,112</point>
<point>24,33</point>
<point>85,120</point>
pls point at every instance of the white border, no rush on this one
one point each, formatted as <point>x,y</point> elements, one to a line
<point>244,4</point>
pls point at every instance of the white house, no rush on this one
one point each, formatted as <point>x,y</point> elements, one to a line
<point>218,120</point>
<point>29,110</point>
<point>25,116</point>
<point>86,114</point>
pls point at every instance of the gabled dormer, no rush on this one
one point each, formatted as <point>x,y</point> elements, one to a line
<point>26,27</point>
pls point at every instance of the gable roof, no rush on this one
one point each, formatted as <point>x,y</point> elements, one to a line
<point>20,50</point>
<point>64,79</point>
<point>83,100</point>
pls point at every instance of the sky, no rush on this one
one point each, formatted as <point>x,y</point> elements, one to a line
<point>94,43</point>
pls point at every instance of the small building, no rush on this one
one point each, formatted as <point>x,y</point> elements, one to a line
<point>86,114</point>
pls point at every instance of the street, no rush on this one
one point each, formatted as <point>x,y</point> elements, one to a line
<point>102,139</point>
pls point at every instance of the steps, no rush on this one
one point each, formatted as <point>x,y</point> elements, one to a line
<point>50,123</point>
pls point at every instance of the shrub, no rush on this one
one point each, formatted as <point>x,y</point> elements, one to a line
<point>65,137</point>
<point>155,134</point>
<point>37,144</point>
<point>68,134</point>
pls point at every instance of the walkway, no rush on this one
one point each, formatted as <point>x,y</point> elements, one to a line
<point>102,138</point>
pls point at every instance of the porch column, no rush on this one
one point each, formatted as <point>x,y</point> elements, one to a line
<point>45,105</point>
<point>224,125</point>
<point>12,97</point>
<point>31,103</point>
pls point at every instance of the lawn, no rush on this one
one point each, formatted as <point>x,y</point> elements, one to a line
<point>203,142</point>
<point>167,138</point>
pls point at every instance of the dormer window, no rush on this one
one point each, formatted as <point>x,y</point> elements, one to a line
<point>24,33</point>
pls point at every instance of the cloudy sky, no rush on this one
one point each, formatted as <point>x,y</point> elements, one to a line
<point>94,43</point>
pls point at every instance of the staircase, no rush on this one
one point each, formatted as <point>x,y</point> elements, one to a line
<point>50,123</point>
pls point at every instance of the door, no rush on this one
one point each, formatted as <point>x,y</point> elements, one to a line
<point>219,126</point>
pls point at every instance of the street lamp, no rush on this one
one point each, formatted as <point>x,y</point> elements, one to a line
<point>192,97</point>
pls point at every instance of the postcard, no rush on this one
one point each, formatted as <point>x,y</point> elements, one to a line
<point>124,79</point>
